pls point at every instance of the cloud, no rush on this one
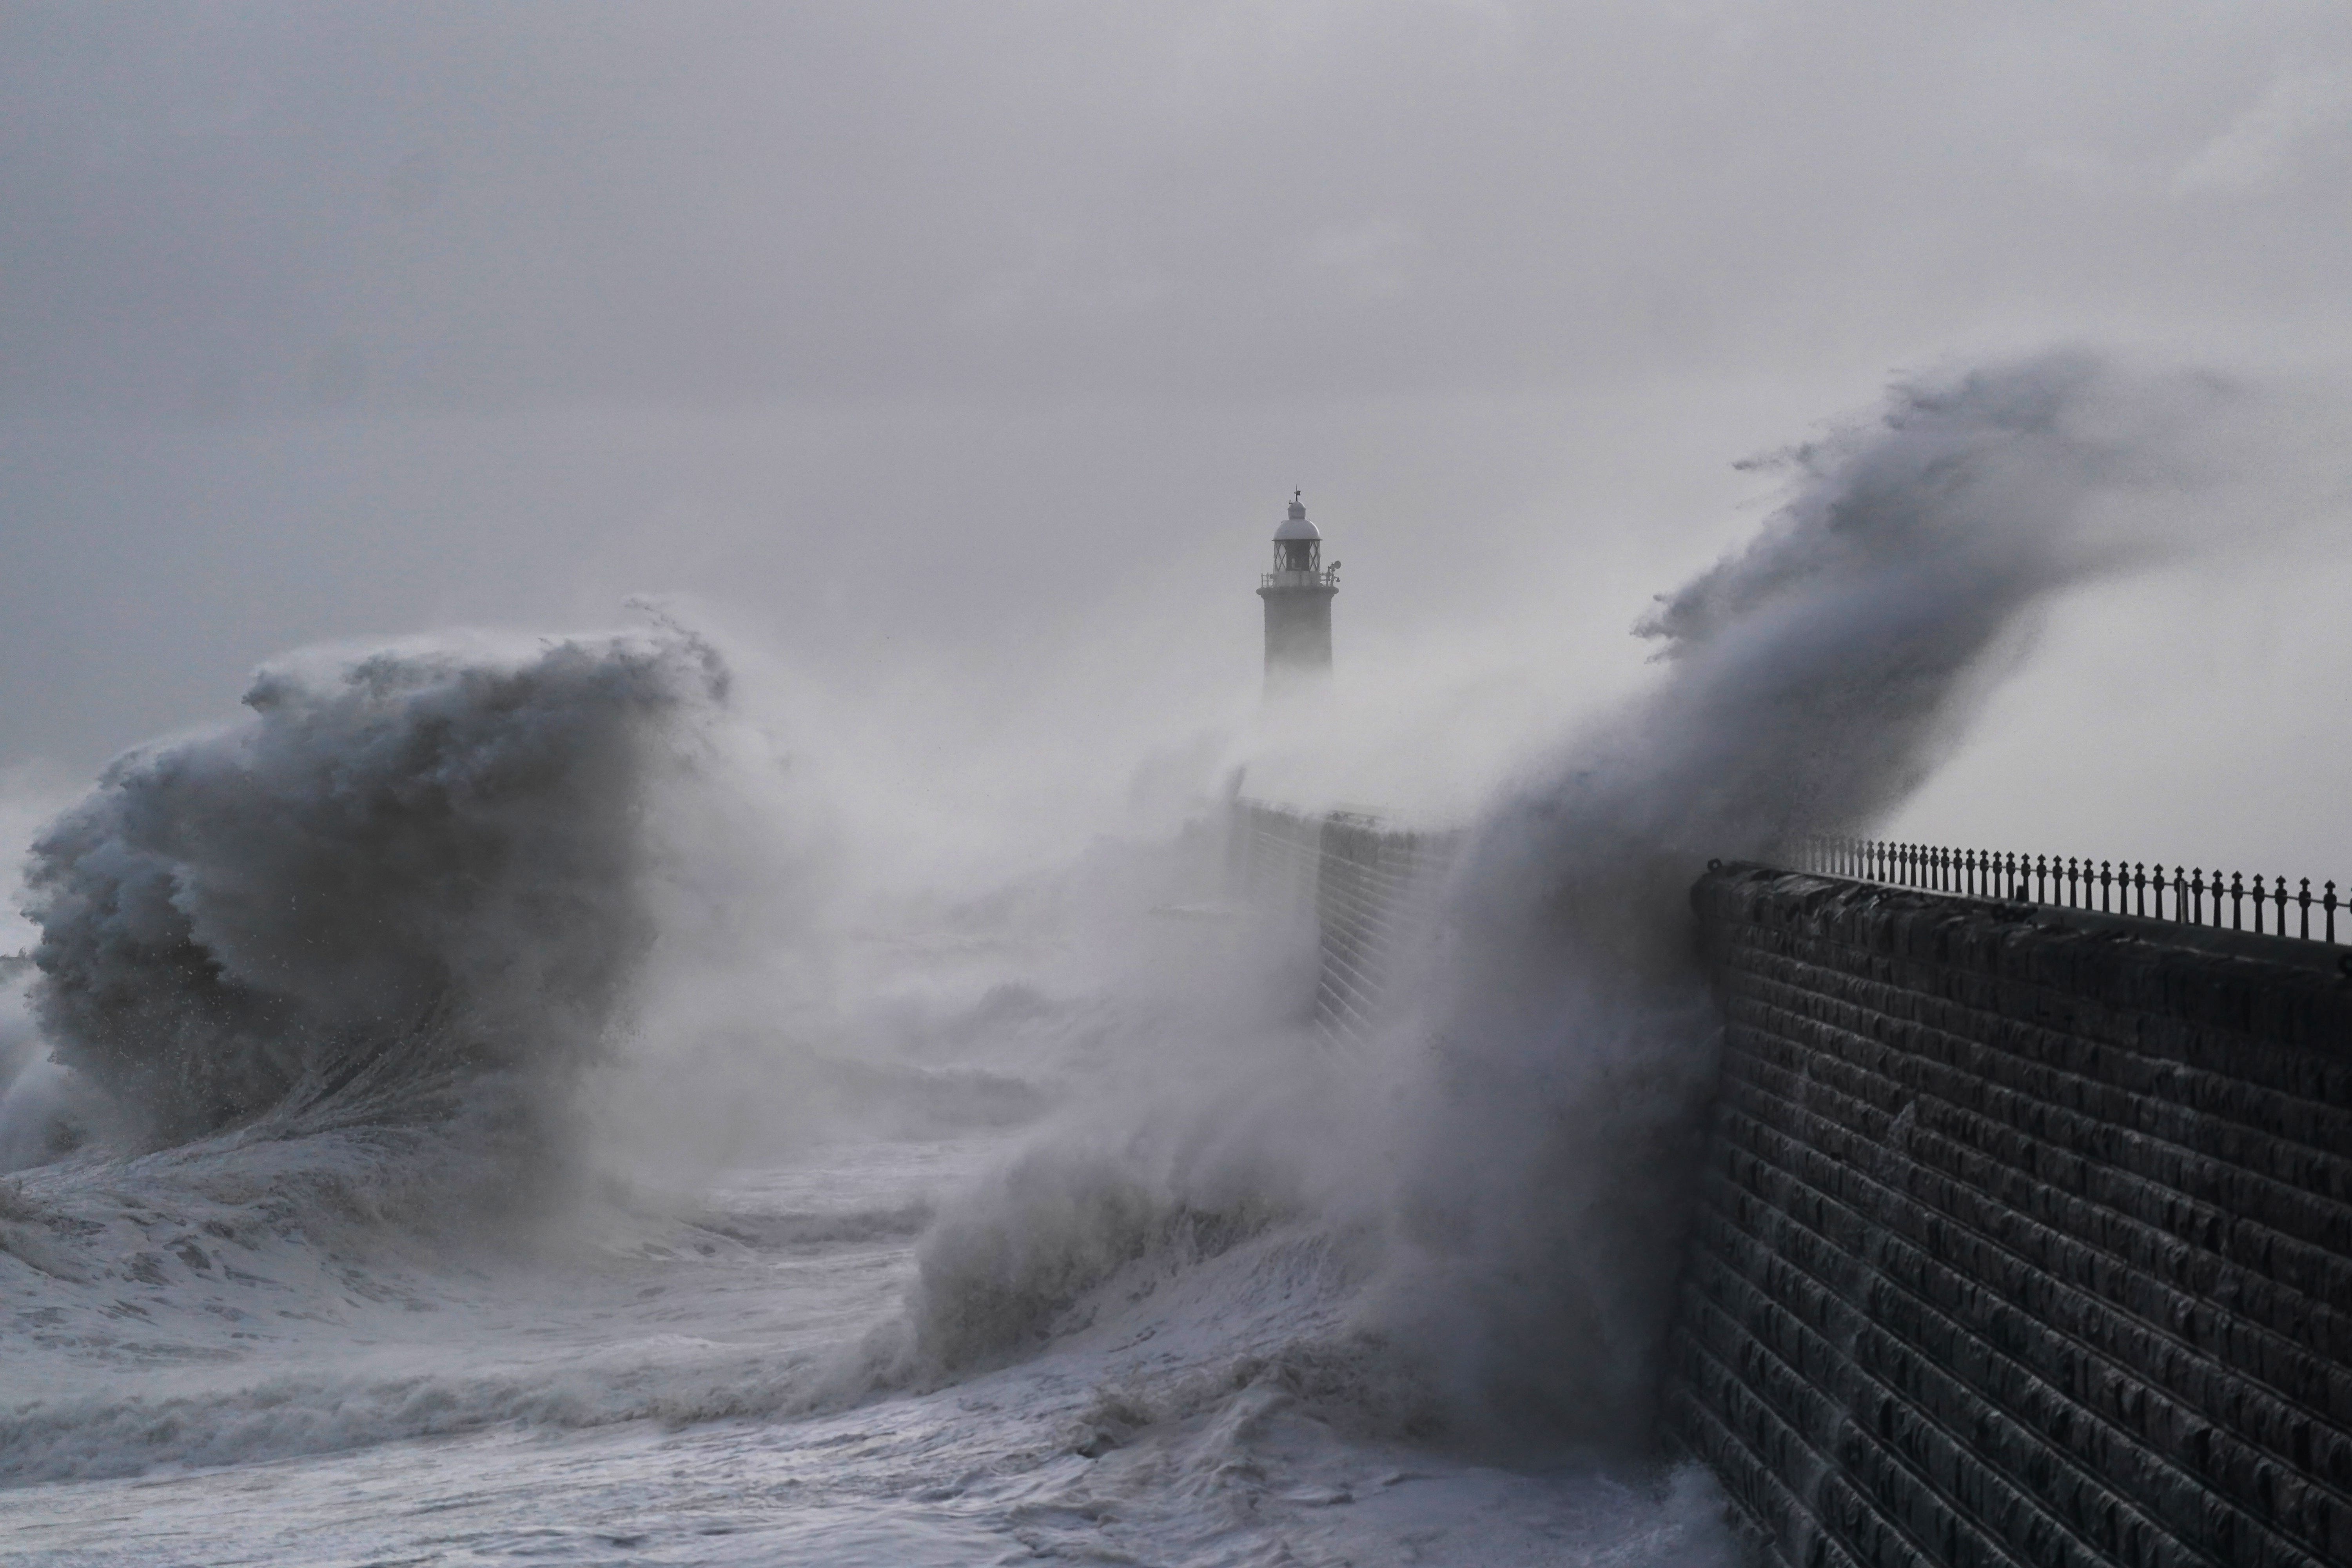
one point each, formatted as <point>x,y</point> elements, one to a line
<point>2304,108</point>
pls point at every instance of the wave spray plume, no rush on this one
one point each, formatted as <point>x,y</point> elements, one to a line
<point>1809,682</point>
<point>403,865</point>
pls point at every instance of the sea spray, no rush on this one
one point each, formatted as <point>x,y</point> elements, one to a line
<point>405,865</point>
<point>1522,1140</point>
<point>1214,1311</point>
<point>318,993</point>
<point>1809,682</point>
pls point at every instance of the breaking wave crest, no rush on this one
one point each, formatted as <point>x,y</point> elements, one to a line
<point>404,869</point>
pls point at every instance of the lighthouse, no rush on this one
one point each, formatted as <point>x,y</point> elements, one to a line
<point>1298,594</point>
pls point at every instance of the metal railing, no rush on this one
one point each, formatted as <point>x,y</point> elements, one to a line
<point>2184,895</point>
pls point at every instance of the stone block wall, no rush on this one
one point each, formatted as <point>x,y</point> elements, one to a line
<point>2025,1235</point>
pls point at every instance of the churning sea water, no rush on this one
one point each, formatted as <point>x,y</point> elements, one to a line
<point>200,1368</point>
<point>436,1157</point>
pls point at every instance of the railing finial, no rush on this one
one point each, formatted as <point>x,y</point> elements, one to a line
<point>2134,888</point>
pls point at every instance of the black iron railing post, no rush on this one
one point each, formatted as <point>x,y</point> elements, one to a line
<point>2148,890</point>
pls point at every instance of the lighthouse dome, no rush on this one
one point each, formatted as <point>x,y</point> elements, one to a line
<point>1296,525</point>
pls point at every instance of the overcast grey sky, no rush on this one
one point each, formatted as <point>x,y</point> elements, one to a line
<point>960,356</point>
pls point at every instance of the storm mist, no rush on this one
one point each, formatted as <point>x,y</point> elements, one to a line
<point>627,635</point>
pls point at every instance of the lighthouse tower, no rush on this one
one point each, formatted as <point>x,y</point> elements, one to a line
<point>1298,594</point>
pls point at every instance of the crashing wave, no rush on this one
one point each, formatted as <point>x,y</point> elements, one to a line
<point>406,866</point>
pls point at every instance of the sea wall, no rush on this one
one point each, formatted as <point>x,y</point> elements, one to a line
<point>1368,887</point>
<point>2025,1235</point>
